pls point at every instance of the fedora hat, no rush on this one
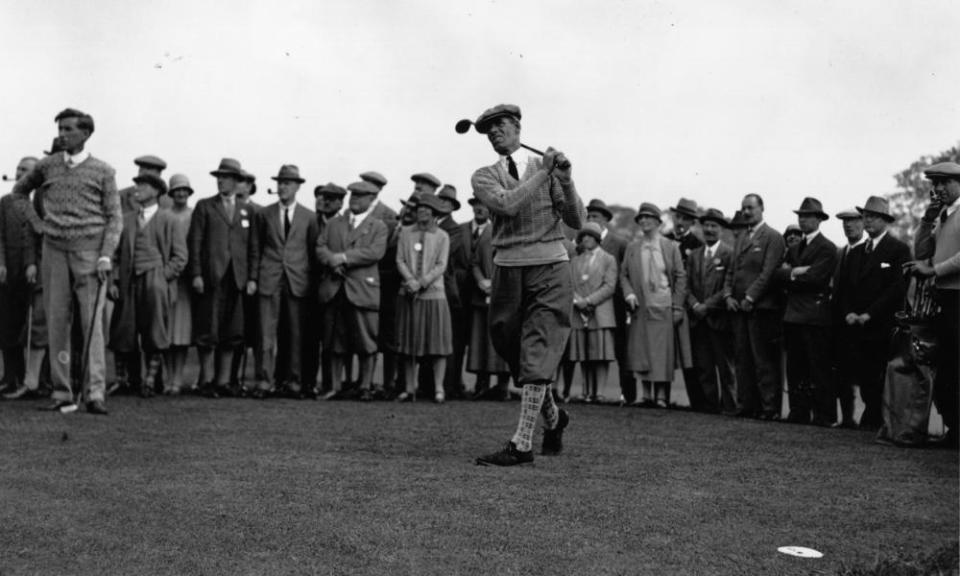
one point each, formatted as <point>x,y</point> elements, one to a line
<point>811,206</point>
<point>155,181</point>
<point>288,172</point>
<point>590,229</point>
<point>598,205</point>
<point>151,161</point>
<point>411,202</point>
<point>879,206</point>
<point>687,207</point>
<point>649,209</point>
<point>178,181</point>
<point>428,178</point>
<point>945,170</point>
<point>849,214</point>
<point>473,201</point>
<point>329,189</point>
<point>448,192</point>
<point>374,178</point>
<point>229,167</point>
<point>434,203</point>
<point>485,120</point>
<point>714,215</point>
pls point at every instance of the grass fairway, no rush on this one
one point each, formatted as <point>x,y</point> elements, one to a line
<point>194,486</point>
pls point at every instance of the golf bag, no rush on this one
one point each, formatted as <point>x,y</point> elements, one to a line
<point>908,391</point>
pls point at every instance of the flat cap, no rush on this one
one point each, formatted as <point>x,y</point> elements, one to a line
<point>849,214</point>
<point>428,178</point>
<point>154,181</point>
<point>943,170</point>
<point>485,120</point>
<point>329,189</point>
<point>374,178</point>
<point>363,187</point>
<point>151,161</point>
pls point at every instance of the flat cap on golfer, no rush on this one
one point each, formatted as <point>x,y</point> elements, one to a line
<point>428,178</point>
<point>329,189</point>
<point>485,120</point>
<point>361,188</point>
<point>151,161</point>
<point>374,178</point>
<point>943,170</point>
<point>152,180</point>
<point>849,214</point>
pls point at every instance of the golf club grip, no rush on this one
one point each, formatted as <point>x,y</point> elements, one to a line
<point>563,165</point>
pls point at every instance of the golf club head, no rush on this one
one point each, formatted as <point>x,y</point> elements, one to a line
<point>463,126</point>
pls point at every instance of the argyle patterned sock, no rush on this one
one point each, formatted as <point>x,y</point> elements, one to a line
<point>530,404</point>
<point>549,410</point>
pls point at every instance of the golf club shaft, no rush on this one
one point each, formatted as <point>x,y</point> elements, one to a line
<point>97,317</point>
<point>562,165</point>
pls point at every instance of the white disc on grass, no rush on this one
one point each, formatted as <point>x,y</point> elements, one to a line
<point>800,551</point>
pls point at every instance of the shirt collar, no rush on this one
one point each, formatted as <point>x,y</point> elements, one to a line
<point>953,207</point>
<point>810,237</point>
<point>863,238</point>
<point>877,240</point>
<point>357,219</point>
<point>75,159</point>
<point>520,159</point>
<point>149,211</point>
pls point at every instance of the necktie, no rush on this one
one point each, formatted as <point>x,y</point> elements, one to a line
<point>228,206</point>
<point>141,219</point>
<point>350,222</point>
<point>943,217</point>
<point>476,234</point>
<point>803,245</point>
<point>512,168</point>
<point>869,247</point>
<point>286,223</point>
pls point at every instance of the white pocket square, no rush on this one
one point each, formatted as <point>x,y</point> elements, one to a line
<point>884,265</point>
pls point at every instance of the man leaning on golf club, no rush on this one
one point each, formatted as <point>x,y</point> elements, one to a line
<point>81,228</point>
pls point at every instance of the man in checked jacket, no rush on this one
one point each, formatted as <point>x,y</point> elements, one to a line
<point>532,292</point>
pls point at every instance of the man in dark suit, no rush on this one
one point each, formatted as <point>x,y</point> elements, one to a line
<point>685,215</point>
<point>844,349</point>
<point>755,309</point>
<point>806,276</point>
<point>870,292</point>
<point>349,251</point>
<point>219,229</point>
<point>281,246</point>
<point>146,165</point>
<point>328,202</point>
<point>615,245</point>
<point>389,280</point>
<point>710,334</point>
<point>473,296</point>
<point>246,188</point>
<point>456,283</point>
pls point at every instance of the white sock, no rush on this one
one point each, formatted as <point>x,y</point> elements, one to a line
<point>530,404</point>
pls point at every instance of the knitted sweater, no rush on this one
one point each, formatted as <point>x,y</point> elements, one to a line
<point>940,242</point>
<point>529,212</point>
<point>81,203</point>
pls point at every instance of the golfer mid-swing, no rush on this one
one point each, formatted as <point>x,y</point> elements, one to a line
<point>532,292</point>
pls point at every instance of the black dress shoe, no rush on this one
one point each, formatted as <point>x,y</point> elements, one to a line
<point>209,391</point>
<point>506,456</point>
<point>553,439</point>
<point>97,407</point>
<point>21,392</point>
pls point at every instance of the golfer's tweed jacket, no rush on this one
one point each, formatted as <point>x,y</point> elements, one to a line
<point>82,206</point>
<point>529,210</point>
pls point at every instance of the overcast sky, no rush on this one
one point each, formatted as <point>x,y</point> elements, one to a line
<point>650,100</point>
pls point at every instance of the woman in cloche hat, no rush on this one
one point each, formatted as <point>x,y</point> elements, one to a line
<point>181,312</point>
<point>653,280</point>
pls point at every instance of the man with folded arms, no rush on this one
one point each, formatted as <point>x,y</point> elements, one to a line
<point>81,226</point>
<point>532,292</point>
